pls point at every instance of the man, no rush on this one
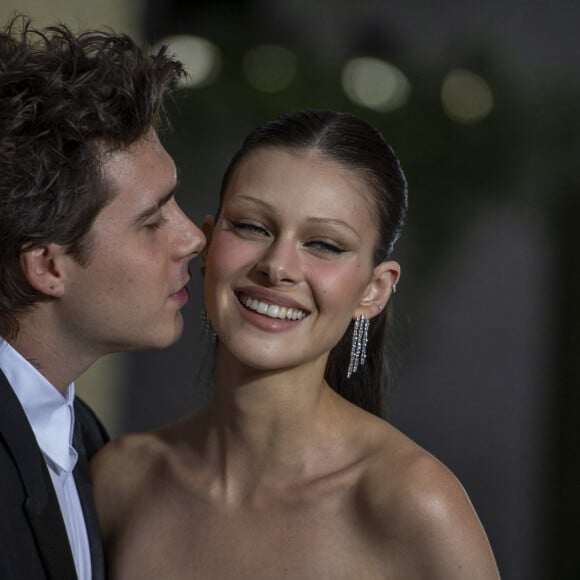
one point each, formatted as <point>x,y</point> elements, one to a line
<point>94,254</point>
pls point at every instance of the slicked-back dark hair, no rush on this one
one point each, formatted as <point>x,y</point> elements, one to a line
<point>356,145</point>
<point>65,98</point>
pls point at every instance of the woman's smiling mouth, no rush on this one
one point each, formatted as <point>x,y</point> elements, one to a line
<point>271,310</point>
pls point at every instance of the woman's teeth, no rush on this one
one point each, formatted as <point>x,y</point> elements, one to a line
<point>271,310</point>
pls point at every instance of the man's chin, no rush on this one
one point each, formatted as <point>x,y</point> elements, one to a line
<point>170,337</point>
<point>157,340</point>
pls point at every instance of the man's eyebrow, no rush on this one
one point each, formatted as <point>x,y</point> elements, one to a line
<point>143,216</point>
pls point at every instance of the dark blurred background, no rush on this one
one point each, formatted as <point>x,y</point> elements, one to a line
<point>480,101</point>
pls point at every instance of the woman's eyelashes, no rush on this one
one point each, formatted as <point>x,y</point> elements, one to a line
<point>249,228</point>
<point>325,247</point>
<point>253,229</point>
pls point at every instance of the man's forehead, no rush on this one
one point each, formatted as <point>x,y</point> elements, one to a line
<point>141,177</point>
<point>105,147</point>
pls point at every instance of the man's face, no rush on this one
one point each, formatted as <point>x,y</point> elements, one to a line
<point>130,294</point>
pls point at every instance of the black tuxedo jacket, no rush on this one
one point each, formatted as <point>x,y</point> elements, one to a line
<point>33,539</point>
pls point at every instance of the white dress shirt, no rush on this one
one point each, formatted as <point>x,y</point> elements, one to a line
<point>51,416</point>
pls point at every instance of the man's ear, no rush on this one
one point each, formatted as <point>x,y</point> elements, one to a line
<point>42,268</point>
<point>380,289</point>
<point>207,227</point>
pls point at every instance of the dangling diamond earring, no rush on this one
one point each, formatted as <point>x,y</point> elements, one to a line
<point>206,328</point>
<point>358,352</point>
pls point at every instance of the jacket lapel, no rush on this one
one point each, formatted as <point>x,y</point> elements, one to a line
<point>85,490</point>
<point>41,506</point>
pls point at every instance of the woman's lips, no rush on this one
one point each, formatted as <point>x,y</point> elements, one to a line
<point>271,309</point>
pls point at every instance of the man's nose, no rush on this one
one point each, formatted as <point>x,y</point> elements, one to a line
<point>191,238</point>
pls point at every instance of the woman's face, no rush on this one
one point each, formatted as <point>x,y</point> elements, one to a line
<point>289,263</point>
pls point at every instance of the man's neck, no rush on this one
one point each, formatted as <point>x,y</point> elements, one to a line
<point>48,352</point>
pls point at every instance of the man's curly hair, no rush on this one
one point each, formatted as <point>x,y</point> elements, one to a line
<point>64,99</point>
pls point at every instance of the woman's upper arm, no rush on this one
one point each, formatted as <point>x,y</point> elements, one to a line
<point>455,545</point>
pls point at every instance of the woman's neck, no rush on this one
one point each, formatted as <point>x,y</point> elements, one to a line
<point>270,428</point>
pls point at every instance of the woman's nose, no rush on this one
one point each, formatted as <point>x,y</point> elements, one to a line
<point>280,263</point>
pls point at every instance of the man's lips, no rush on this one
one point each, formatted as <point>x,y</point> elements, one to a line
<point>181,295</point>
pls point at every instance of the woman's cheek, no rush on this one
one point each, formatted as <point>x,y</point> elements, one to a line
<point>337,282</point>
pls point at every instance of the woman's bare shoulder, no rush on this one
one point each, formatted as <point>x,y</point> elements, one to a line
<point>126,471</point>
<point>131,456</point>
<point>126,457</point>
<point>411,496</point>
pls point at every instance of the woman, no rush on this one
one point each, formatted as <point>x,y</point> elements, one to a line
<point>290,472</point>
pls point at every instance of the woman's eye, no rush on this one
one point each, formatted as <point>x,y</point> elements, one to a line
<point>249,228</point>
<point>158,223</point>
<point>325,247</point>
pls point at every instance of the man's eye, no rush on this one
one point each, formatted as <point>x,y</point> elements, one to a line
<point>158,223</point>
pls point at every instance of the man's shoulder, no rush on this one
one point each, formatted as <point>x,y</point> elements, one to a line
<point>93,432</point>
<point>85,414</point>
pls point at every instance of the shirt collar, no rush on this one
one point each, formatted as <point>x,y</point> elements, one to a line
<point>50,413</point>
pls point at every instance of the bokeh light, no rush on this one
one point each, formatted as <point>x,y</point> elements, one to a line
<point>465,96</point>
<point>375,84</point>
<point>200,57</point>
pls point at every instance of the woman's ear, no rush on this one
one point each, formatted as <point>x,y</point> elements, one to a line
<point>42,268</point>
<point>380,289</point>
<point>207,227</point>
